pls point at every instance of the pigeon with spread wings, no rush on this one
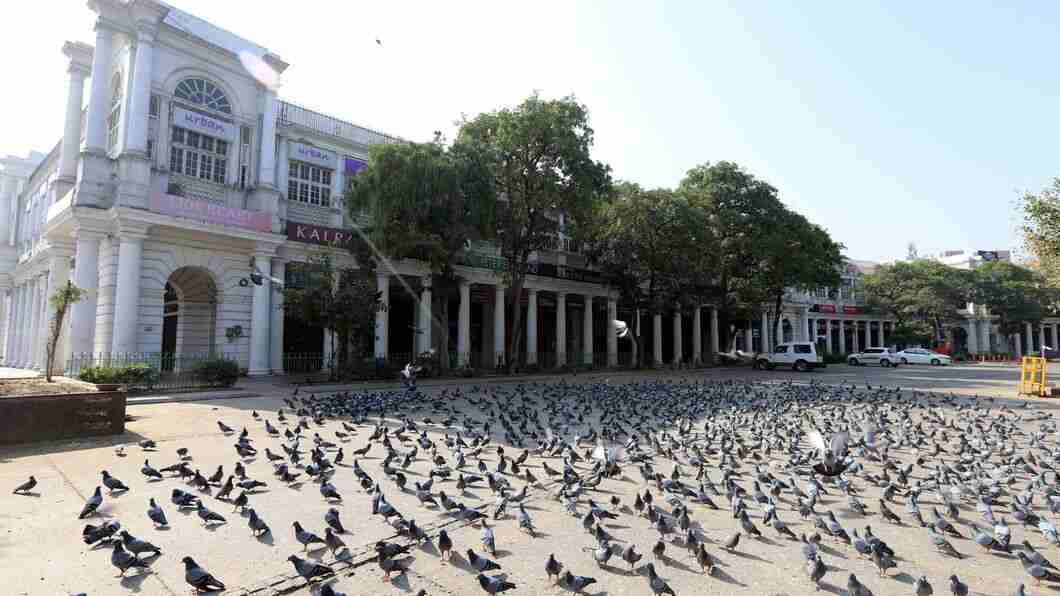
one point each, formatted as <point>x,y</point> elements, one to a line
<point>832,454</point>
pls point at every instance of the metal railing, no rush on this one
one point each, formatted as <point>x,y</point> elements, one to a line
<point>150,371</point>
<point>290,114</point>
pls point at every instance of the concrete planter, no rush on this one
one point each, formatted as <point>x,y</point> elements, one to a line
<point>32,418</point>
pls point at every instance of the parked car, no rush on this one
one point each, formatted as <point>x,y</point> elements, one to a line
<point>923,356</point>
<point>885,357</point>
<point>799,355</point>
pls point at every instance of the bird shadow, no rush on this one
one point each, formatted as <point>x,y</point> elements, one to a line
<point>725,577</point>
<point>677,564</point>
<point>133,582</point>
<point>904,577</point>
<point>428,547</point>
<point>401,582</point>
<point>213,527</point>
<point>266,539</point>
<point>746,555</point>
<point>832,589</point>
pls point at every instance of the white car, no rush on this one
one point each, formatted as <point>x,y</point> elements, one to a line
<point>922,356</point>
<point>799,355</point>
<point>885,357</point>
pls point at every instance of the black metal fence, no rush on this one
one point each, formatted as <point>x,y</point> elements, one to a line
<point>154,371</point>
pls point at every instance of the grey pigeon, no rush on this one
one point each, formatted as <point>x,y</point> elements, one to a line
<point>923,587</point>
<point>657,584</point>
<point>258,527</point>
<point>856,588</point>
<point>199,578</point>
<point>577,583</point>
<point>137,546</point>
<point>208,516</point>
<point>305,537</point>
<point>331,518</point>
<point>957,587</point>
<point>480,563</point>
<point>26,486</point>
<point>92,504</point>
<point>123,560</point>
<point>308,569</point>
<point>552,568</point>
<point>494,585</point>
<point>155,513</point>
<point>112,483</point>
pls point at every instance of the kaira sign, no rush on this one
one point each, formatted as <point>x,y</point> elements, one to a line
<point>210,213</point>
<point>311,234</point>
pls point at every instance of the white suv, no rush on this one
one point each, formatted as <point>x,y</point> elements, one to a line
<point>885,357</point>
<point>799,355</point>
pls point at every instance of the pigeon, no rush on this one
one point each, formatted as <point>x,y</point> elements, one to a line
<point>494,585</point>
<point>101,533</point>
<point>208,516</point>
<point>657,584</point>
<point>553,568</point>
<point>137,546</point>
<point>306,538</point>
<point>25,487</point>
<point>92,504</point>
<point>150,472</point>
<point>577,583</point>
<point>832,454</point>
<point>923,587</point>
<point>199,578</point>
<point>445,545</point>
<point>480,563</point>
<point>331,518</point>
<point>327,590</point>
<point>258,527</point>
<point>125,561</point>
<point>957,587</point>
<point>816,570</point>
<point>332,540</point>
<point>308,569</point>
<point>856,588</point>
<point>113,484</point>
<point>390,565</point>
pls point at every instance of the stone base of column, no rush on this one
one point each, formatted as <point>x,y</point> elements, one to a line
<point>267,200</point>
<point>134,173</point>
<point>93,179</point>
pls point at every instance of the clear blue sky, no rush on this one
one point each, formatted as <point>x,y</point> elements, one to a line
<point>886,122</point>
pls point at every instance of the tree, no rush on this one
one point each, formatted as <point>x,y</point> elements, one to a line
<point>911,253</point>
<point>1041,229</point>
<point>1014,294</point>
<point>540,163</point>
<point>426,202</point>
<point>60,301</point>
<point>649,243</point>
<point>342,300</point>
<point>741,212</point>
<point>922,297</point>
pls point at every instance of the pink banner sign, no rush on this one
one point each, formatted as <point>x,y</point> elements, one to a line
<point>210,213</point>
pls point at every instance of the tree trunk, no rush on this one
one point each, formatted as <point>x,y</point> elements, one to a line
<point>442,326</point>
<point>517,319</point>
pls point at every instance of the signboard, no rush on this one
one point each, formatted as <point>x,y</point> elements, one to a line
<point>312,155</point>
<point>219,129</point>
<point>852,310</point>
<point>210,213</point>
<point>826,308</point>
<point>353,165</point>
<point>312,234</point>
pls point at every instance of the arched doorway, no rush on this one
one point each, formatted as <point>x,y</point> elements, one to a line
<point>189,315</point>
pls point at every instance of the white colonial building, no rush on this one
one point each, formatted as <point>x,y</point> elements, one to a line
<point>182,185</point>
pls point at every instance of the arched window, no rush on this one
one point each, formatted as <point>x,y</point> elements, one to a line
<point>204,93</point>
<point>114,116</point>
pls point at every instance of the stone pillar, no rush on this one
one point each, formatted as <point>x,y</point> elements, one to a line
<point>749,337</point>
<point>973,336</point>
<point>1029,336</point>
<point>1016,347</point>
<point>12,328</point>
<point>34,333</point>
<point>656,329</point>
<point>765,332</point>
<point>98,108</point>
<point>715,336</point>
<point>678,351</point>
<point>612,333</point>
<point>827,335</point>
<point>587,331</point>
<point>5,332</point>
<point>140,96</point>
<point>778,334</point>
<point>984,336</point>
<point>80,55</point>
<point>426,318</point>
<point>842,337</point>
<point>636,348</point>
<point>17,332</point>
<point>561,328</point>
<point>86,276</point>
<point>463,325</point>
<point>267,159</point>
<point>276,315</point>
<point>697,335</point>
<point>382,316</point>
<point>531,326</point>
<point>498,325</point>
<point>260,317</point>
<point>127,293</point>
<point>883,336</point>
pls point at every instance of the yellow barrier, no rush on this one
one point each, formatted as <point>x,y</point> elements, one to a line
<point>1032,376</point>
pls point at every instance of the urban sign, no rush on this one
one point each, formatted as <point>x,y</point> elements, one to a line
<point>313,234</point>
<point>311,155</point>
<point>210,213</point>
<point>353,165</point>
<point>825,308</point>
<point>219,129</point>
<point>852,310</point>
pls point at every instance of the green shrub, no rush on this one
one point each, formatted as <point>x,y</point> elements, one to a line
<point>129,374</point>
<point>219,372</point>
<point>834,358</point>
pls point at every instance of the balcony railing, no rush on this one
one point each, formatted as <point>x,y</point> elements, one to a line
<point>290,114</point>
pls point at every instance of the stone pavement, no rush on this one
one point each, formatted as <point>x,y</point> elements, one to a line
<point>42,552</point>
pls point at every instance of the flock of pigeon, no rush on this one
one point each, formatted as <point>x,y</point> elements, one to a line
<point>647,467</point>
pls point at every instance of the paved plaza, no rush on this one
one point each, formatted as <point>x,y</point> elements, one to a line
<point>738,422</point>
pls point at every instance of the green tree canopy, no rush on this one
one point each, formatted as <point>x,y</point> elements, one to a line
<point>922,297</point>
<point>1015,294</point>
<point>1041,229</point>
<point>538,154</point>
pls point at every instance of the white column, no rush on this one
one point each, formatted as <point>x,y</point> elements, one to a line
<point>276,313</point>
<point>1055,340</point>
<point>635,353</point>
<point>463,324</point>
<point>828,335</point>
<point>382,316</point>
<point>984,335</point>
<point>5,324</point>
<point>715,336</point>
<point>141,88</point>
<point>426,320</point>
<point>498,325</point>
<point>749,337</point>
<point>260,334</point>
<point>697,335</point>
<point>678,351</point>
<point>75,97</point>
<point>883,336</point>
<point>34,334</point>
<point>86,277</point>
<point>587,331</point>
<point>18,329</point>
<point>765,332</point>
<point>12,318</point>
<point>1017,348</point>
<point>612,337</point>
<point>127,293</point>
<point>561,328</point>
<point>9,203</point>
<point>267,167</point>
<point>96,124</point>
<point>842,337</point>
<point>973,336</point>
<point>779,332</point>
<point>531,327</point>
<point>656,328</point>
